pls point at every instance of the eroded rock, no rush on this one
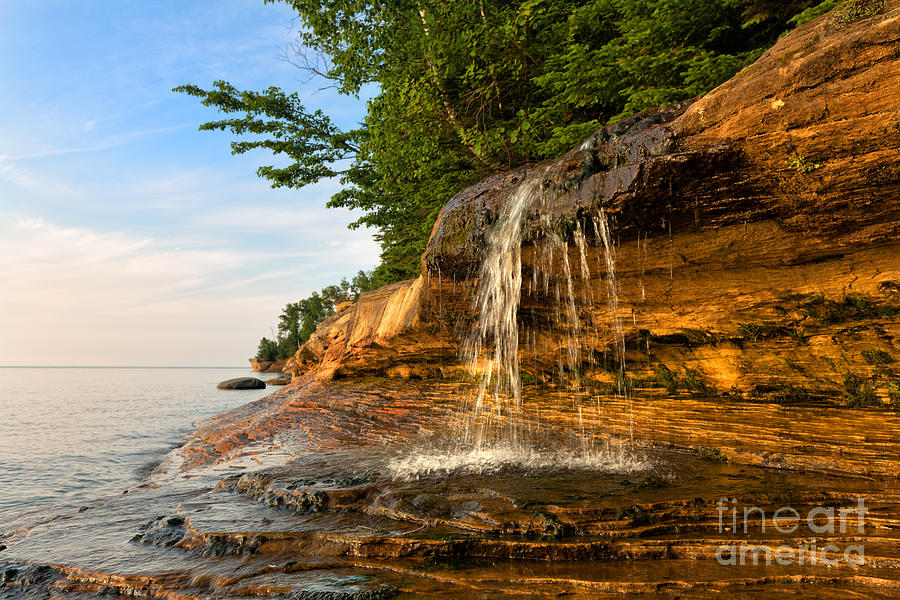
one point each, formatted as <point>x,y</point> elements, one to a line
<point>757,241</point>
<point>162,531</point>
<point>242,383</point>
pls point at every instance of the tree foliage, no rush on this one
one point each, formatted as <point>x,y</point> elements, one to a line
<point>470,87</point>
<point>267,350</point>
<point>298,321</point>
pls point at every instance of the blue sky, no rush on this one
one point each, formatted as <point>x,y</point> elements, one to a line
<point>127,236</point>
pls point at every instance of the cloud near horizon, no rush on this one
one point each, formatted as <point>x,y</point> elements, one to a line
<point>112,298</point>
<point>128,236</point>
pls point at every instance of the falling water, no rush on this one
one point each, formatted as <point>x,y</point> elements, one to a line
<point>601,227</point>
<point>496,431</point>
<point>573,334</point>
<point>491,351</point>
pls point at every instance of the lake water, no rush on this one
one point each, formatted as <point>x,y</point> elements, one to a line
<point>68,435</point>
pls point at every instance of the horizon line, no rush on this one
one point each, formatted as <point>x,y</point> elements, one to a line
<point>121,367</point>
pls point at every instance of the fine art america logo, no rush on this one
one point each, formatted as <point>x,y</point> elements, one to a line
<point>819,520</point>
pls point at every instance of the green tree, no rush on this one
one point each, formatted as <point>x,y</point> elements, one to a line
<point>471,87</point>
<point>298,320</point>
<point>268,350</point>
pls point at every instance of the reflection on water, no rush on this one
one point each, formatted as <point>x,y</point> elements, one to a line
<point>315,508</point>
<point>72,434</point>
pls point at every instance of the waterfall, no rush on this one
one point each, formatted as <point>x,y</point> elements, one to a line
<point>498,430</point>
<point>491,350</point>
<point>601,228</point>
<point>601,225</point>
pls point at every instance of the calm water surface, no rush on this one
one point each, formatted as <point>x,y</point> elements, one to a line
<point>69,435</point>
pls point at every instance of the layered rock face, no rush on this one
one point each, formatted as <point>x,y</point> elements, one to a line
<point>755,232</point>
<point>382,333</point>
<point>266,366</point>
<point>706,301</point>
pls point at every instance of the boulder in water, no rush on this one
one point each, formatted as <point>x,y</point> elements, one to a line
<point>242,383</point>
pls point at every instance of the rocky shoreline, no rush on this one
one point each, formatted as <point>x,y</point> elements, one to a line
<point>266,366</point>
<point>756,306</point>
<point>301,492</point>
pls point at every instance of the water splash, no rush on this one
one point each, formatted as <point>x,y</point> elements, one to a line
<point>487,460</point>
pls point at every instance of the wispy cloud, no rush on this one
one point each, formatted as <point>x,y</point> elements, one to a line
<point>151,301</point>
<point>59,151</point>
<point>129,237</point>
<point>112,142</point>
<point>32,181</point>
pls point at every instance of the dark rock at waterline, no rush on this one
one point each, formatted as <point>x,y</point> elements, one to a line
<point>257,486</point>
<point>380,593</point>
<point>23,576</point>
<point>162,531</point>
<point>227,546</point>
<point>8,574</point>
<point>279,380</point>
<point>242,383</point>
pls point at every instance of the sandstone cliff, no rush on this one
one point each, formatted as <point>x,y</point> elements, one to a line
<point>756,236</point>
<point>740,252</point>
<point>266,366</point>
